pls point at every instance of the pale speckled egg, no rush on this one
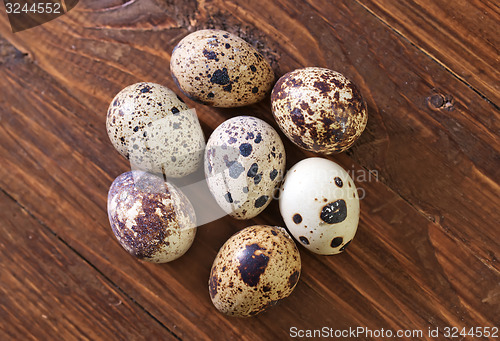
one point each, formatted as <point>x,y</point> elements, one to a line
<point>320,205</point>
<point>153,128</point>
<point>217,68</point>
<point>319,110</point>
<point>244,163</point>
<point>152,219</point>
<point>257,267</point>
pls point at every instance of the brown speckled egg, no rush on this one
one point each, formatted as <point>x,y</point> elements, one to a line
<point>244,163</point>
<point>153,128</point>
<point>152,219</point>
<point>319,110</point>
<point>257,267</point>
<point>217,68</point>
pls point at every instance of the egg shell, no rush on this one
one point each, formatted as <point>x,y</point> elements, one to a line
<point>217,68</point>
<point>152,219</point>
<point>257,267</point>
<point>319,110</point>
<point>320,205</point>
<point>244,164</point>
<point>153,128</point>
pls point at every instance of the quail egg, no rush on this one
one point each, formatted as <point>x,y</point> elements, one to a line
<point>153,128</point>
<point>244,163</point>
<point>319,110</point>
<point>152,219</point>
<point>217,68</point>
<point>320,205</point>
<point>257,267</point>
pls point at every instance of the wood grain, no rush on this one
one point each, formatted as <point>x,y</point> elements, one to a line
<point>433,211</point>
<point>460,35</point>
<point>48,292</point>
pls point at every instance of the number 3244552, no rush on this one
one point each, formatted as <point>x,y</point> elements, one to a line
<point>40,8</point>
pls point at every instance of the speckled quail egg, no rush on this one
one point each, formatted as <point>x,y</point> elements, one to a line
<point>152,219</point>
<point>320,205</point>
<point>153,128</point>
<point>217,68</point>
<point>319,110</point>
<point>254,269</point>
<point>244,163</point>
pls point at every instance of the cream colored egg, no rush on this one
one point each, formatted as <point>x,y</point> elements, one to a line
<point>257,267</point>
<point>217,68</point>
<point>153,128</point>
<point>244,164</point>
<point>319,110</point>
<point>320,205</point>
<point>152,219</point>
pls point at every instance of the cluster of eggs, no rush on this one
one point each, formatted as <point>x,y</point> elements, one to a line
<point>318,109</point>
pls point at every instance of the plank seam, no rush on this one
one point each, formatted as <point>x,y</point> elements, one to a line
<point>118,288</point>
<point>429,55</point>
<point>439,226</point>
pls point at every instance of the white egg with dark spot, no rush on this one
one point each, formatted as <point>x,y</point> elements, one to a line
<point>244,163</point>
<point>153,128</point>
<point>320,205</point>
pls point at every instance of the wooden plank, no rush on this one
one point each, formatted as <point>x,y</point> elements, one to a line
<point>49,164</point>
<point>396,247</point>
<point>460,35</point>
<point>441,158</point>
<point>59,163</point>
<point>417,148</point>
<point>49,293</point>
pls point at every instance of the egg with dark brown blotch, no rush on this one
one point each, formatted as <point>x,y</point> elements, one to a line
<point>151,218</point>
<point>218,68</point>
<point>319,110</point>
<point>153,128</point>
<point>255,269</point>
<point>244,164</point>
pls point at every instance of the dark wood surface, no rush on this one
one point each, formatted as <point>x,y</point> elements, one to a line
<point>462,36</point>
<point>426,250</point>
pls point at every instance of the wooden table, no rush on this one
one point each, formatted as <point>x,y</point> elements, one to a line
<point>425,255</point>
